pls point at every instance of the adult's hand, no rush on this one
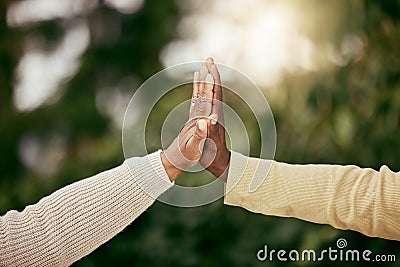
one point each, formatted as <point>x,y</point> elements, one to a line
<point>215,155</point>
<point>185,151</point>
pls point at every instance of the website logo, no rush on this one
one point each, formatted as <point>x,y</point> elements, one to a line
<point>338,253</point>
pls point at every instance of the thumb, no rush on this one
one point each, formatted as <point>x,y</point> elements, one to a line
<point>196,142</point>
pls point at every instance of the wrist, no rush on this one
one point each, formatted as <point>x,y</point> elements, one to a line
<point>219,168</point>
<point>172,171</point>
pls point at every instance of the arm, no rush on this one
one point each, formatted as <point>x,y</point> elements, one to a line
<point>346,197</point>
<point>73,221</point>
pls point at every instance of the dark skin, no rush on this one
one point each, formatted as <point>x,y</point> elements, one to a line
<point>185,150</point>
<point>206,120</point>
<point>219,164</point>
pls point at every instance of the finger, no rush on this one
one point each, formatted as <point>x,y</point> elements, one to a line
<point>206,98</point>
<point>203,72</point>
<point>213,119</point>
<point>217,106</point>
<point>209,85</point>
<point>217,82</point>
<point>196,142</point>
<point>201,107</point>
<point>195,93</point>
<point>209,62</point>
<point>196,81</point>
<point>213,128</point>
<point>188,125</point>
<point>203,75</point>
<point>213,70</point>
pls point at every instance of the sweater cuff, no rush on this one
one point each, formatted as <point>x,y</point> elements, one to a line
<point>237,166</point>
<point>245,176</point>
<point>149,174</point>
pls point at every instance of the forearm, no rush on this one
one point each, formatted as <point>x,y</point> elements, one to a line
<point>346,197</point>
<point>75,220</point>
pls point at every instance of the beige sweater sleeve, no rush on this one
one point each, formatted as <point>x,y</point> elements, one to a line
<point>73,221</point>
<point>346,197</point>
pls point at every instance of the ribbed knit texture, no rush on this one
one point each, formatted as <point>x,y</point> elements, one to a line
<point>73,221</point>
<point>346,197</point>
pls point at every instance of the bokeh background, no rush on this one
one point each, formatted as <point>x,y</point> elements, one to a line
<point>329,69</point>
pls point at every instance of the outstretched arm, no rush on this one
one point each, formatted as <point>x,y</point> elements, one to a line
<point>73,221</point>
<point>346,197</point>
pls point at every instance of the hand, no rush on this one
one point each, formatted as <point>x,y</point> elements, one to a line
<point>215,155</point>
<point>185,151</point>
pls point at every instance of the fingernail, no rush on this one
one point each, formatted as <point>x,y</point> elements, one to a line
<point>210,59</point>
<point>213,118</point>
<point>201,124</point>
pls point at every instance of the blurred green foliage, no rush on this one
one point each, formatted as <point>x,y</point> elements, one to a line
<point>344,115</point>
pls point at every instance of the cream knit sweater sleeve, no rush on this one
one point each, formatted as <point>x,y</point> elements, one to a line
<point>73,221</point>
<point>346,197</point>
